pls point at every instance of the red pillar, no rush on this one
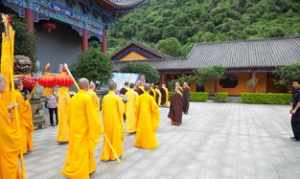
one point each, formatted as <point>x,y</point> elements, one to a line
<point>254,81</point>
<point>85,40</point>
<point>104,42</point>
<point>29,20</point>
<point>162,78</point>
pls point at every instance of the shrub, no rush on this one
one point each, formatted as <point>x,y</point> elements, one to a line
<point>93,65</point>
<point>198,96</point>
<point>221,97</point>
<point>195,96</point>
<point>287,74</point>
<point>266,98</point>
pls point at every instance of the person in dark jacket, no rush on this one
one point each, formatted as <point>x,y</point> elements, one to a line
<point>295,111</point>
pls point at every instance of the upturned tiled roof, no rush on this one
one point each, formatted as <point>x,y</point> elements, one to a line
<point>120,4</point>
<point>238,54</point>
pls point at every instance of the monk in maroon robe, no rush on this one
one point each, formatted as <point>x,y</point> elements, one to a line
<point>186,98</point>
<point>176,108</point>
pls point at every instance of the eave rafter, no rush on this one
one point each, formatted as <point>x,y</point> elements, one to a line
<point>116,5</point>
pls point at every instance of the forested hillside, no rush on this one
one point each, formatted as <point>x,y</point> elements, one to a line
<point>174,26</point>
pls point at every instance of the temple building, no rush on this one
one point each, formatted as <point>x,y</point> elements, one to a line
<point>249,64</point>
<point>64,28</point>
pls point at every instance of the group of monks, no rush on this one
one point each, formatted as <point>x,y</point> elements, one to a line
<point>15,132</point>
<point>160,95</point>
<point>179,103</point>
<point>130,112</point>
<point>82,120</point>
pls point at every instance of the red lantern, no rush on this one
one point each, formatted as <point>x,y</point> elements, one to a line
<point>64,80</point>
<point>28,82</point>
<point>49,26</point>
<point>47,81</point>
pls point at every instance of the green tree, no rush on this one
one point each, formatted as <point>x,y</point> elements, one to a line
<point>210,20</point>
<point>93,65</point>
<point>170,46</point>
<point>24,41</point>
<point>151,74</point>
<point>287,74</point>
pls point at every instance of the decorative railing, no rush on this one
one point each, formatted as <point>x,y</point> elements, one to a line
<point>62,12</point>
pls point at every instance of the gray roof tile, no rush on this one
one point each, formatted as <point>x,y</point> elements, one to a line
<point>238,54</point>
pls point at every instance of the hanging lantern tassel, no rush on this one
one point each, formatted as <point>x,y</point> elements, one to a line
<point>29,82</point>
<point>49,26</point>
<point>47,81</point>
<point>64,80</point>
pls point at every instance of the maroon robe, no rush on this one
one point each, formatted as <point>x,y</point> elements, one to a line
<point>176,109</point>
<point>163,96</point>
<point>186,99</point>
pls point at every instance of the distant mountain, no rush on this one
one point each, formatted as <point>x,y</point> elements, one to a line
<point>192,21</point>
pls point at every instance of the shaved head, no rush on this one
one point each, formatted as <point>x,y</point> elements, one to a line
<point>83,83</point>
<point>2,83</point>
<point>112,85</point>
<point>92,85</point>
<point>147,87</point>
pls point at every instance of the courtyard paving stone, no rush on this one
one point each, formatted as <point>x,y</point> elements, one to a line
<point>215,141</point>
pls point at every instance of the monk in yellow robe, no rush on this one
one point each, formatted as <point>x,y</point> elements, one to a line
<point>139,88</point>
<point>63,115</point>
<point>11,162</point>
<point>96,103</point>
<point>152,91</point>
<point>158,96</point>
<point>47,72</point>
<point>164,95</point>
<point>113,111</point>
<point>148,121</point>
<point>98,128</point>
<point>82,134</point>
<point>131,109</point>
<point>25,115</point>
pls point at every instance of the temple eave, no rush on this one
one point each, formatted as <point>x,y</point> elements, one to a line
<point>124,5</point>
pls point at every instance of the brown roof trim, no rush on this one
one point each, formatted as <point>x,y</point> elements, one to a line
<point>142,46</point>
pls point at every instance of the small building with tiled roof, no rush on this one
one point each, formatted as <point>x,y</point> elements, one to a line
<point>243,60</point>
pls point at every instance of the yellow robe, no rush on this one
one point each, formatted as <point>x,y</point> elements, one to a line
<point>25,114</point>
<point>158,95</point>
<point>147,123</point>
<point>167,96</point>
<point>63,115</point>
<point>131,114</point>
<point>98,128</point>
<point>47,92</point>
<point>82,138</point>
<point>11,163</point>
<point>113,111</point>
<point>153,92</point>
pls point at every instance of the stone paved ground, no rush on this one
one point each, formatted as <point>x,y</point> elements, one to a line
<point>216,141</point>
